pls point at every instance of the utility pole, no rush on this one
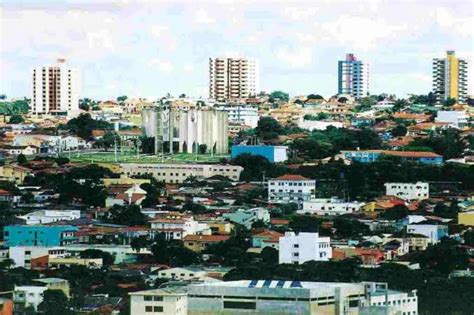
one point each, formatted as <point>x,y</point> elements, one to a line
<point>115,149</point>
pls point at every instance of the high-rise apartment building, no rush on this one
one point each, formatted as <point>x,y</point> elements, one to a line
<point>55,90</point>
<point>232,78</point>
<point>353,77</point>
<point>450,77</point>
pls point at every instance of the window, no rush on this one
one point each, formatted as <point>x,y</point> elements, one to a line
<point>240,305</point>
<point>148,309</point>
<point>147,298</point>
<point>158,309</point>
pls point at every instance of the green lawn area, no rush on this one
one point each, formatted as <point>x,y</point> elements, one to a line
<point>131,157</point>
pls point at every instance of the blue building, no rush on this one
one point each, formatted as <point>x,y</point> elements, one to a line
<point>271,153</point>
<point>369,156</point>
<point>39,235</point>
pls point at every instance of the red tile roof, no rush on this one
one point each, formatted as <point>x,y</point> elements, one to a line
<point>291,177</point>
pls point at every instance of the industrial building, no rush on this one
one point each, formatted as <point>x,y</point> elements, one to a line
<point>275,297</point>
<point>196,130</point>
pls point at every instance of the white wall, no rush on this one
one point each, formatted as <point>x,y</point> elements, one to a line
<point>408,191</point>
<point>303,247</point>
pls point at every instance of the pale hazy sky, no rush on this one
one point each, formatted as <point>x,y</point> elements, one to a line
<point>149,48</point>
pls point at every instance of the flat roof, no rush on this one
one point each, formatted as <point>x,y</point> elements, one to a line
<point>283,284</point>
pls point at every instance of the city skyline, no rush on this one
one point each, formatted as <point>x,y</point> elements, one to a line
<point>165,47</point>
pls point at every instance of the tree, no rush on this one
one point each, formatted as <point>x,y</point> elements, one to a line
<point>279,96</point>
<point>107,258</point>
<point>449,102</point>
<point>83,125</point>
<point>342,99</point>
<point>195,208</point>
<point>16,119</point>
<point>55,302</point>
<point>173,253</point>
<point>268,128</point>
<point>395,213</point>
<point>399,131</point>
<point>304,223</point>
<point>108,140</point>
<point>140,242</point>
<point>21,159</point>
<point>202,149</point>
<point>315,97</point>
<point>129,215</point>
<point>122,99</point>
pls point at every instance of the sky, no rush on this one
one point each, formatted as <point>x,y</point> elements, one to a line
<point>150,48</point>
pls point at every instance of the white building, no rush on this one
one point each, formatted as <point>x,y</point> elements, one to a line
<point>303,247</point>
<point>318,124</point>
<point>243,114</point>
<point>333,206</point>
<point>176,226</point>
<point>232,78</point>
<point>291,188</point>
<point>390,301</point>
<point>49,216</point>
<point>55,90</point>
<point>353,77</point>
<point>22,256</point>
<point>247,217</point>
<point>456,119</point>
<point>178,173</point>
<point>28,295</point>
<point>171,300</point>
<point>408,191</point>
<point>435,232</point>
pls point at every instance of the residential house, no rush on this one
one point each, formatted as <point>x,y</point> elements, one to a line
<point>248,217</point>
<point>291,189</point>
<point>198,243</point>
<point>124,194</point>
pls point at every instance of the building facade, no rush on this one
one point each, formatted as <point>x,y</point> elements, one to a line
<point>331,206</point>
<point>303,247</point>
<point>291,189</point>
<point>408,191</point>
<point>434,232</point>
<point>353,77</point>
<point>49,216</point>
<point>39,235</point>
<point>178,173</point>
<point>55,90</point>
<point>242,114</point>
<point>455,119</point>
<point>270,152</point>
<point>450,77</point>
<point>159,301</point>
<point>232,78</point>
<point>369,156</point>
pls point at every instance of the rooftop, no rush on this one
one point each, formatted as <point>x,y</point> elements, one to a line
<point>291,177</point>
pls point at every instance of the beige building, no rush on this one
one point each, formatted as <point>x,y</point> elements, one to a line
<point>177,173</point>
<point>232,78</point>
<point>159,301</point>
<point>14,173</point>
<point>55,90</point>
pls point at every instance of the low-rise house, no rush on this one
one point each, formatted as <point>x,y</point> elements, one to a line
<point>6,196</point>
<point>435,232</point>
<point>60,262</point>
<point>20,149</point>
<point>455,119</point>
<point>267,238</point>
<point>175,226</point>
<point>183,274</point>
<point>466,218</point>
<point>198,243</point>
<point>49,216</point>
<point>14,173</point>
<point>416,242</point>
<point>121,253</point>
<point>248,217</point>
<point>303,247</point>
<point>125,194</point>
<point>32,295</point>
